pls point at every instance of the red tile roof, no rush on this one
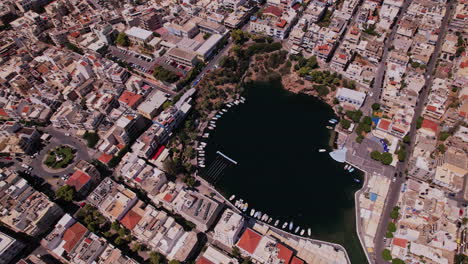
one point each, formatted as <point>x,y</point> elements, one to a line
<point>273,10</point>
<point>429,124</point>
<point>296,260</point>
<point>281,23</point>
<point>73,235</point>
<point>400,242</point>
<point>130,220</point>
<point>168,197</point>
<point>384,124</point>
<point>431,108</point>
<point>284,253</point>
<point>78,180</point>
<point>3,113</point>
<point>105,158</point>
<point>203,260</point>
<point>249,240</point>
<point>130,99</point>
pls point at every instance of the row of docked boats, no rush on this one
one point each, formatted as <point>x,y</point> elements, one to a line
<point>332,123</point>
<point>201,154</point>
<point>243,206</point>
<point>350,169</point>
<point>212,122</point>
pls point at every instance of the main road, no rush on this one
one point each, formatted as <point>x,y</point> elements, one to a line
<point>395,188</point>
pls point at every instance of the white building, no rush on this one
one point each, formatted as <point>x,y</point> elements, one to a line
<point>228,228</point>
<point>350,97</point>
<point>138,35</point>
<point>9,248</point>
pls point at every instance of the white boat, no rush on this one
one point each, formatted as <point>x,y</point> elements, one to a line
<point>203,143</point>
<point>331,122</point>
<point>224,110</point>
<point>346,167</point>
<point>302,232</point>
<point>201,154</point>
<point>264,217</point>
<point>270,219</point>
<point>214,118</point>
<point>322,150</point>
<point>213,125</point>
<point>277,222</point>
<point>351,170</point>
<point>329,127</point>
<point>232,197</point>
<point>252,212</point>
<point>236,203</point>
<point>210,128</point>
<point>309,232</point>
<point>236,102</point>
<point>297,229</point>
<point>259,216</point>
<point>229,105</point>
<point>285,225</point>
<point>255,215</point>
<point>242,98</point>
<point>244,208</point>
<point>202,165</point>
<point>291,225</point>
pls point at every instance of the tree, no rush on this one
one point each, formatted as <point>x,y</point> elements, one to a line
<point>359,139</point>
<point>236,252</point>
<point>174,262</point>
<point>387,158</point>
<point>406,139</point>
<point>397,261</point>
<point>441,148</point>
<point>394,214</point>
<point>92,138</point>
<point>375,106</point>
<point>155,258</point>
<point>190,181</point>
<point>389,235</point>
<point>376,155</point>
<point>136,247</point>
<point>164,75</point>
<point>66,193</point>
<point>391,227</point>
<point>123,40</point>
<point>386,255</point>
<point>443,136</point>
<point>419,122</point>
<point>239,36</point>
<point>401,155</point>
<point>345,123</point>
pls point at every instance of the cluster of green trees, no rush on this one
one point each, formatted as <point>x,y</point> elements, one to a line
<point>371,30</point>
<point>354,115</point>
<point>74,48</point>
<point>92,219</point>
<point>326,19</point>
<point>65,193</point>
<point>239,36</point>
<point>164,75</point>
<point>92,138</point>
<point>122,40</point>
<point>385,157</point>
<point>395,213</point>
<point>387,255</point>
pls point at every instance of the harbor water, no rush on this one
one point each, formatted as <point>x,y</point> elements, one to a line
<point>274,137</point>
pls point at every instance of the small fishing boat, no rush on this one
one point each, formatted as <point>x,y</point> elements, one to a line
<point>255,215</point>
<point>220,113</point>
<point>236,102</point>
<point>333,120</point>
<point>276,222</point>
<point>246,206</point>
<point>232,197</point>
<point>224,110</point>
<point>214,118</point>
<point>357,180</point>
<point>309,232</point>
<point>252,212</point>
<point>242,98</point>
<point>210,127</point>
<point>229,105</point>
<point>291,225</point>
<point>285,225</point>
<point>351,169</point>
<point>297,229</point>
<point>202,165</point>
<point>270,219</point>
<point>346,167</point>
<point>259,216</point>
<point>302,232</point>
<point>329,127</point>
<point>322,150</point>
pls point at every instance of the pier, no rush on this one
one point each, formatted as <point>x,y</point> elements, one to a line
<point>226,157</point>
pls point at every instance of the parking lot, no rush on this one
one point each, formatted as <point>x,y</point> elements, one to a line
<point>137,61</point>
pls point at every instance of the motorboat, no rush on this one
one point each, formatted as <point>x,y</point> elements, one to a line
<point>346,167</point>
<point>224,110</point>
<point>309,232</point>
<point>357,180</point>
<point>246,206</point>
<point>276,222</point>
<point>236,102</point>
<point>229,105</point>
<point>285,225</point>
<point>255,215</point>
<point>297,229</point>
<point>214,118</point>
<point>291,225</point>
<point>351,169</point>
<point>322,150</point>
<point>252,212</point>
<point>329,127</point>
<point>232,197</point>
<point>210,127</point>
<point>259,216</point>
<point>302,232</point>
<point>270,219</point>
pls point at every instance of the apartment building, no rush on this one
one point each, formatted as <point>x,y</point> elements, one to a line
<point>228,229</point>
<point>9,248</point>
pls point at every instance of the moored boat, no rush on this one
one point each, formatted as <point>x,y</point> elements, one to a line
<point>276,222</point>
<point>357,180</point>
<point>302,232</point>
<point>309,232</point>
<point>297,229</point>
<point>329,127</point>
<point>322,150</point>
<point>232,197</point>
<point>291,225</point>
<point>285,225</point>
<point>252,212</point>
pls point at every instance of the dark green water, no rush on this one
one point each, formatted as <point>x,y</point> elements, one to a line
<point>275,137</point>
